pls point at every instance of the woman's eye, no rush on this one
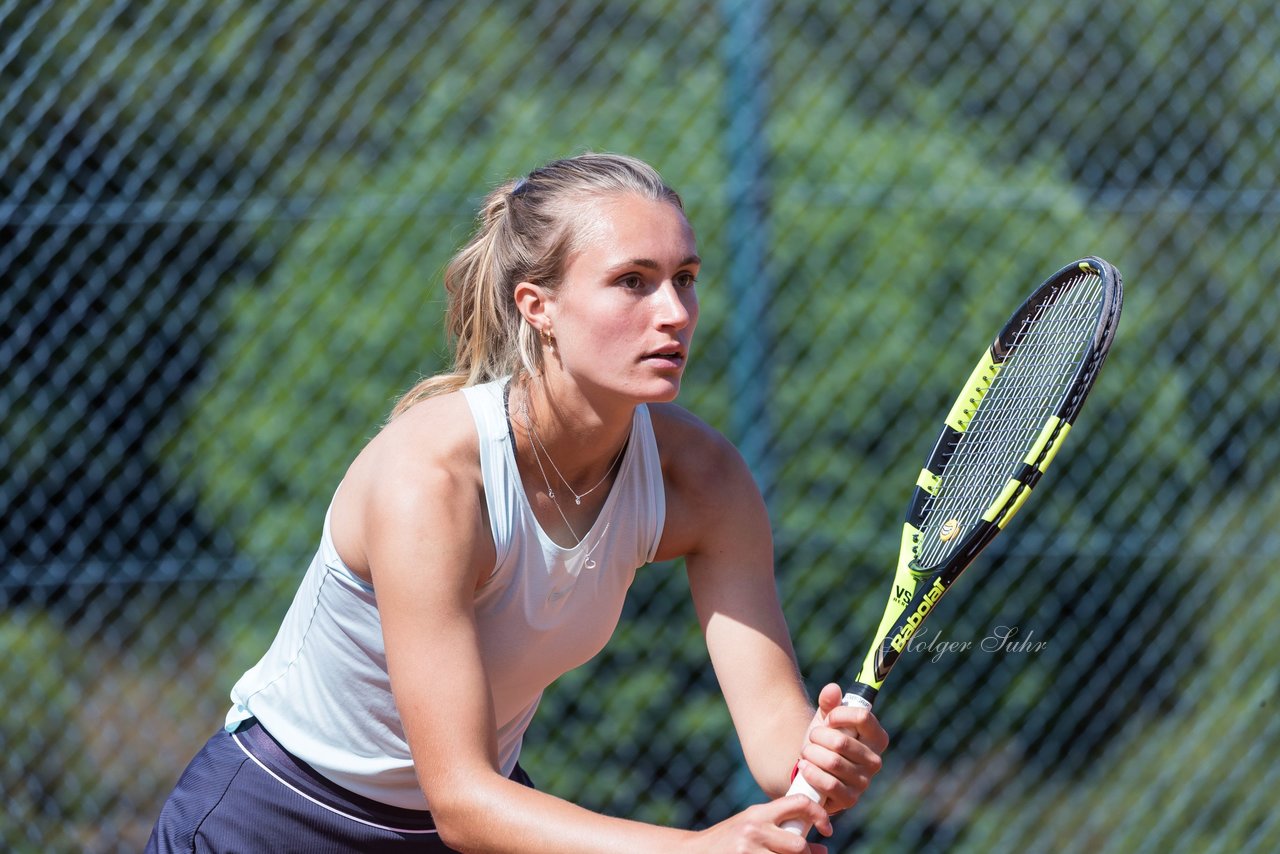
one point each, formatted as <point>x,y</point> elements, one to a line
<point>686,280</point>
<point>631,282</point>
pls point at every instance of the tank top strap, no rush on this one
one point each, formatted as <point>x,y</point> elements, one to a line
<point>488,407</point>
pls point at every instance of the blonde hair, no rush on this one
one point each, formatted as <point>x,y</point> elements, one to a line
<point>526,231</point>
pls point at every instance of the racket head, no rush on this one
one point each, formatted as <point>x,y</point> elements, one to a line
<point>1000,436</point>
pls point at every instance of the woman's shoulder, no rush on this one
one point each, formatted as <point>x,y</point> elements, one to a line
<point>693,452</point>
<point>709,488</point>
<point>422,464</point>
<point>431,430</point>
<point>674,423</point>
<point>432,440</point>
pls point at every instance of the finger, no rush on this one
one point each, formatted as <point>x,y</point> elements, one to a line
<point>838,767</point>
<point>813,815</point>
<point>793,806</point>
<point>829,698</point>
<point>800,808</point>
<point>863,724</point>
<point>833,749</point>
<point>839,790</point>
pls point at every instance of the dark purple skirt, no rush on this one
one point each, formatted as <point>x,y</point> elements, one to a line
<point>226,801</point>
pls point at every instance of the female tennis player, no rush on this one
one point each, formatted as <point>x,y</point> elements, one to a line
<point>482,544</point>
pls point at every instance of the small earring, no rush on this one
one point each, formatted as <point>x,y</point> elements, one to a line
<point>549,338</point>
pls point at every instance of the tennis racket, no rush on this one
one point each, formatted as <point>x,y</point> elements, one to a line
<point>1002,432</point>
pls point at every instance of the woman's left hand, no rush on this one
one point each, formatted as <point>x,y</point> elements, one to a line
<point>842,750</point>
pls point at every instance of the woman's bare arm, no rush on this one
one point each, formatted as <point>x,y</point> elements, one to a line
<point>718,520</point>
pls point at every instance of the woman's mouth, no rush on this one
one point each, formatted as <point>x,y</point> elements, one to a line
<point>673,358</point>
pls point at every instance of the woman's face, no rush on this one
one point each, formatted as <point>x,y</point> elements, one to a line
<point>624,315</point>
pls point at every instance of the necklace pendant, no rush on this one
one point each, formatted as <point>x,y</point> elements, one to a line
<point>551,493</point>
<point>577,500</point>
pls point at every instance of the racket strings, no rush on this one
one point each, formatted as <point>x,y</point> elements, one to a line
<point>1043,361</point>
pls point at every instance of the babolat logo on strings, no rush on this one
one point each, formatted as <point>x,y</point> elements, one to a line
<point>949,530</point>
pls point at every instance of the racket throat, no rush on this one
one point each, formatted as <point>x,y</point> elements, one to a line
<point>896,636</point>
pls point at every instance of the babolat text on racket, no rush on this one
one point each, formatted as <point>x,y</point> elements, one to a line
<point>1004,429</point>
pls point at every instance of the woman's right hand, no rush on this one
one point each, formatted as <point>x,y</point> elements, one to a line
<point>759,829</point>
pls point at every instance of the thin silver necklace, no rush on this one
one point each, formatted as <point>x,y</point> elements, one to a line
<point>550,492</point>
<point>589,562</point>
<point>537,443</point>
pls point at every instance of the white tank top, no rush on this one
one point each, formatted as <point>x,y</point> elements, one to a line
<point>322,688</point>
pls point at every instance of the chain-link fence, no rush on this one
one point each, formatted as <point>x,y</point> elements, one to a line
<point>222,226</point>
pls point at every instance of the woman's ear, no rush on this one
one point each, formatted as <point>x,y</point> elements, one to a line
<point>532,302</point>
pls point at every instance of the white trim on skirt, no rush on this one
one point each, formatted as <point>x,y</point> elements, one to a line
<point>318,803</point>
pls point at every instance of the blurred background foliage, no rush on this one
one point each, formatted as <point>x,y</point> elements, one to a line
<point>222,229</point>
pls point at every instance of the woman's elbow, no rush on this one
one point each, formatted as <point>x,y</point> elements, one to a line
<point>463,813</point>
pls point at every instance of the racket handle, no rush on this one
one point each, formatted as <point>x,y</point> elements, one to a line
<point>800,786</point>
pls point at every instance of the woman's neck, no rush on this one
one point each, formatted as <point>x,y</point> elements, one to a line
<point>581,439</point>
